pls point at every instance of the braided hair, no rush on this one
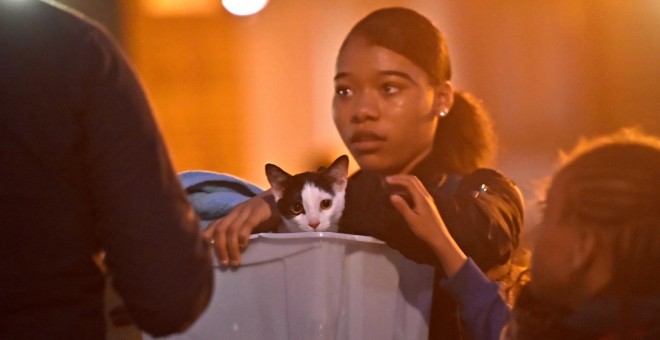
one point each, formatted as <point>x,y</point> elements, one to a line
<point>614,182</point>
<point>608,184</point>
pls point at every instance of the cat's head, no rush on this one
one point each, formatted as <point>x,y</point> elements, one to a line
<point>310,201</point>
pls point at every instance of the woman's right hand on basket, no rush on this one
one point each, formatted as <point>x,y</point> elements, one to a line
<point>230,235</point>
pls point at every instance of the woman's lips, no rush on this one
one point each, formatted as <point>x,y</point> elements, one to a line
<point>366,142</point>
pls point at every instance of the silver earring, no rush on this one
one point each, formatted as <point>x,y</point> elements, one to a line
<point>442,113</point>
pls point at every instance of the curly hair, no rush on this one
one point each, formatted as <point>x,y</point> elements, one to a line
<point>614,183</point>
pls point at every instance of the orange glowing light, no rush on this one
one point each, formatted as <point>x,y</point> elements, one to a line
<point>162,8</point>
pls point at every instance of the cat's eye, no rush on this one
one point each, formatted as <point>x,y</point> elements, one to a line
<point>297,208</point>
<point>326,204</point>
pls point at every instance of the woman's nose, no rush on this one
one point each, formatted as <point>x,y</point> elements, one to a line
<point>365,108</point>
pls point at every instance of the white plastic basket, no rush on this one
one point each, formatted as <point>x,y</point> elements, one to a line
<point>318,285</point>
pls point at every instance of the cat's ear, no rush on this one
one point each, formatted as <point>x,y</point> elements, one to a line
<point>338,170</point>
<point>277,179</point>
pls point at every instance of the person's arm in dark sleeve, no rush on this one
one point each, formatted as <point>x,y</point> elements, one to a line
<point>155,253</point>
<point>480,305</point>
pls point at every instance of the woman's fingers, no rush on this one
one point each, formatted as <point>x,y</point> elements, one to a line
<point>401,206</point>
<point>220,239</point>
<point>424,219</point>
<point>226,239</point>
<point>413,187</point>
<point>208,232</point>
<point>234,250</point>
<point>231,234</point>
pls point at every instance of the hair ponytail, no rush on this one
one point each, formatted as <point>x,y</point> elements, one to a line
<point>464,139</point>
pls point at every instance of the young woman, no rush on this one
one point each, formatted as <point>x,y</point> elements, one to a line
<point>397,113</point>
<point>595,260</point>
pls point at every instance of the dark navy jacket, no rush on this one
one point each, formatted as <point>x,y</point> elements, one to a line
<point>82,168</point>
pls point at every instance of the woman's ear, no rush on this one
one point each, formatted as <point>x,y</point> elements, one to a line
<point>444,97</point>
<point>592,260</point>
<point>585,249</point>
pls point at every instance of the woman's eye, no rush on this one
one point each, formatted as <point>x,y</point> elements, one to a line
<point>297,208</point>
<point>390,89</point>
<point>326,204</point>
<point>343,91</point>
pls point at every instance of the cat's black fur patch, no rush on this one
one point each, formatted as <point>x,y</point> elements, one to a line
<point>294,186</point>
<point>310,201</point>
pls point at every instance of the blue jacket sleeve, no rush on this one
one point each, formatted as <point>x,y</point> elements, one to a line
<point>480,305</point>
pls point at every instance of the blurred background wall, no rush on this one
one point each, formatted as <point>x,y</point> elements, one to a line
<point>233,93</point>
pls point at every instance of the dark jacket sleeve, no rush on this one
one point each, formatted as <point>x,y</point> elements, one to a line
<point>155,254</point>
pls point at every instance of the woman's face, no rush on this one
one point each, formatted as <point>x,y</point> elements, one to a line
<point>384,107</point>
<point>553,254</point>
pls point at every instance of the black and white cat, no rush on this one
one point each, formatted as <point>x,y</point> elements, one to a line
<point>310,201</point>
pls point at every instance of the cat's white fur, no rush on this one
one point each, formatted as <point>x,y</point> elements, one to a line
<point>314,217</point>
<point>327,219</point>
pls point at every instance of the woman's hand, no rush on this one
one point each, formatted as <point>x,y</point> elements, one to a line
<point>424,220</point>
<point>230,235</point>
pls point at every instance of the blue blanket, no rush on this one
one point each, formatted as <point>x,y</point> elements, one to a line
<point>213,195</point>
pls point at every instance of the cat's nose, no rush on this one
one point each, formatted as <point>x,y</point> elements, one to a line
<point>314,224</point>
